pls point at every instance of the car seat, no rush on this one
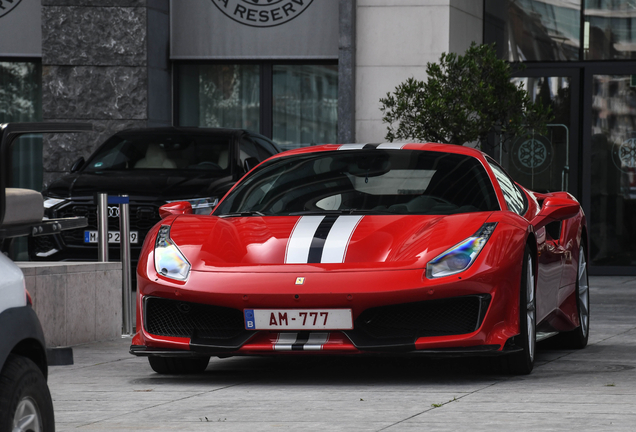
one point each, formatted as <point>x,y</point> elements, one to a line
<point>155,158</point>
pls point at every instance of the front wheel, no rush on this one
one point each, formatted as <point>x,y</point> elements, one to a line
<point>178,365</point>
<point>25,401</point>
<point>522,362</point>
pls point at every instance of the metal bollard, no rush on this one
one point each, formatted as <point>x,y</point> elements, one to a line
<point>102,227</point>
<point>124,243</point>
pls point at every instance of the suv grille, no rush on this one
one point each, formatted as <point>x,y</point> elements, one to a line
<point>142,218</point>
<point>453,316</point>
<point>165,317</point>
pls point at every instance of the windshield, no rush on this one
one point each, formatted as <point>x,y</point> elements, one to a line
<point>162,151</point>
<point>360,181</point>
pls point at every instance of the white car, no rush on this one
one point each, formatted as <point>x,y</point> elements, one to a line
<point>25,401</point>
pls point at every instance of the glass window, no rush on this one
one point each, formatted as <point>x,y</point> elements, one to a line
<point>305,108</point>
<point>21,101</point>
<point>613,171</point>
<point>163,151</point>
<point>541,162</point>
<point>299,102</point>
<point>226,95</point>
<point>540,30</point>
<point>365,182</point>
<point>609,30</point>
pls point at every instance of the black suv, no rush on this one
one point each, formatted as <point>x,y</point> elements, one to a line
<point>152,166</point>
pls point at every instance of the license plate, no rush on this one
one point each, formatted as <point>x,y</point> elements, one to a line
<point>113,237</point>
<point>298,319</point>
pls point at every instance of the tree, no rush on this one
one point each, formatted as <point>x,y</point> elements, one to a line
<point>465,99</point>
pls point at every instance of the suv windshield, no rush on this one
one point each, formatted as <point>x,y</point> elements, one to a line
<point>162,151</point>
<point>361,181</point>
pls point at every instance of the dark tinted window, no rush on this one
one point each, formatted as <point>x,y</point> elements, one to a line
<point>162,151</point>
<point>515,199</point>
<point>369,181</point>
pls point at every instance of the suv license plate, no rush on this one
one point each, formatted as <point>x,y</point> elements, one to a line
<point>113,237</point>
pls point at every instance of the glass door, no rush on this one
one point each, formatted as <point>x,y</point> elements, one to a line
<point>610,167</point>
<point>547,162</point>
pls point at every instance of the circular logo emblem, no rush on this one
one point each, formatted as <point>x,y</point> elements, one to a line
<point>262,13</point>
<point>624,155</point>
<point>532,155</point>
<point>7,6</point>
<point>113,211</point>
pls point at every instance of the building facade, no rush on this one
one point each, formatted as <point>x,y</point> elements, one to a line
<point>306,72</point>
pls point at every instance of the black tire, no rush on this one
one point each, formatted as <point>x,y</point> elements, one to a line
<point>577,338</point>
<point>522,362</point>
<point>178,365</point>
<point>25,400</point>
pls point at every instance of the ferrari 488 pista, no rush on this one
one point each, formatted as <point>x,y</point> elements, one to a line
<point>427,249</point>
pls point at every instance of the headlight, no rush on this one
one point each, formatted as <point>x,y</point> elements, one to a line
<point>169,261</point>
<point>461,256</point>
<point>201,205</point>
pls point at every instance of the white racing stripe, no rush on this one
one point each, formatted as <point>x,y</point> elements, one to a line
<point>300,240</point>
<point>338,239</point>
<point>316,341</point>
<point>351,147</point>
<point>395,146</point>
<point>289,341</point>
<point>334,247</point>
<point>285,341</point>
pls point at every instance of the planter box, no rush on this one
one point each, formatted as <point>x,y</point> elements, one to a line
<point>76,302</point>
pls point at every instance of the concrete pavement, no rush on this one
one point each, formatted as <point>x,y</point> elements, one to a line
<point>589,390</point>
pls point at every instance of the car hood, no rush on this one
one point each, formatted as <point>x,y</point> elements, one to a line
<point>321,243</point>
<point>155,184</point>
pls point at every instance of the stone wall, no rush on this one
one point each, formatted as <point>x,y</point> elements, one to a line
<point>102,62</point>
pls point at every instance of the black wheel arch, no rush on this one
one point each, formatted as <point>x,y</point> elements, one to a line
<point>23,336</point>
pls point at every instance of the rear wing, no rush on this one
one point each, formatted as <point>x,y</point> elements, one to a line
<point>9,132</point>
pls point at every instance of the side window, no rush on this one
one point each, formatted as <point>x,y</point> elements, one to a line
<point>515,199</point>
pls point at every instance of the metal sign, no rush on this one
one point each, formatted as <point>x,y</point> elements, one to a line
<point>262,13</point>
<point>7,6</point>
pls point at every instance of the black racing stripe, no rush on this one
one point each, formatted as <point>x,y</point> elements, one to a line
<point>301,340</point>
<point>370,146</point>
<point>318,242</point>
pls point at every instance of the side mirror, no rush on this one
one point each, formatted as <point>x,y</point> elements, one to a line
<point>556,209</point>
<point>78,164</point>
<point>249,163</point>
<point>175,208</point>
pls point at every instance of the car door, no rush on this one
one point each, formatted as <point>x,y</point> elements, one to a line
<point>550,253</point>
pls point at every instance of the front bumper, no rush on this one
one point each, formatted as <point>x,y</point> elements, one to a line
<point>393,311</point>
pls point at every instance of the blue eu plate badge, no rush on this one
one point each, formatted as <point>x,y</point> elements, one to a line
<point>249,319</point>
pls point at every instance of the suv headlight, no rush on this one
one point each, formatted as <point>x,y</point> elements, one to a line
<point>461,256</point>
<point>169,261</point>
<point>200,205</point>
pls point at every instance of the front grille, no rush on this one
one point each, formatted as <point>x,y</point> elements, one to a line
<point>142,218</point>
<point>453,316</point>
<point>165,317</point>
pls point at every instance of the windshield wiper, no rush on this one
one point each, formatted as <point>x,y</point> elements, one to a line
<point>241,214</point>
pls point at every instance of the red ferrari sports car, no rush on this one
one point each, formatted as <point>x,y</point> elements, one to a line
<point>427,249</point>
